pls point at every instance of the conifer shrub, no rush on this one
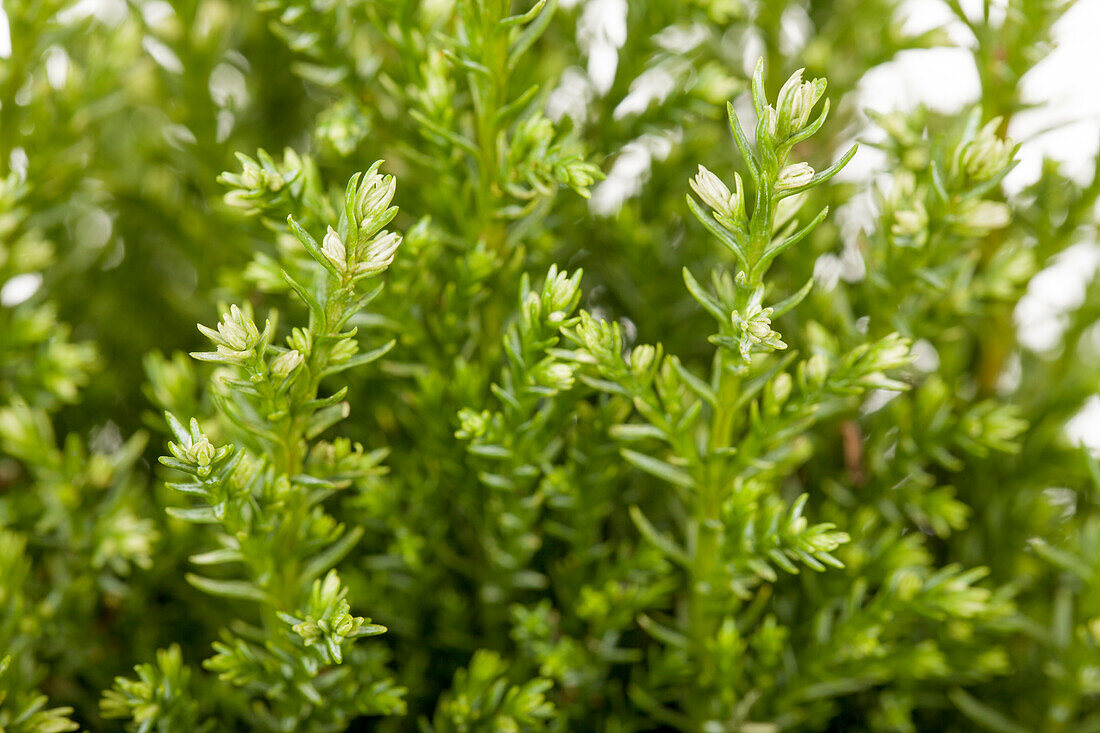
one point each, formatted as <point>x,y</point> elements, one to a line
<point>542,381</point>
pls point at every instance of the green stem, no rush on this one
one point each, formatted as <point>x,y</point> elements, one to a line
<point>487,96</point>
<point>704,535</point>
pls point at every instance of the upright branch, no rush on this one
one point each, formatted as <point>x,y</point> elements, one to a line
<point>725,445</point>
<point>264,491</point>
<point>752,235</point>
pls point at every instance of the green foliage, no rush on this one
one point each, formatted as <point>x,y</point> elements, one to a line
<point>160,699</point>
<point>753,470</point>
<point>480,699</point>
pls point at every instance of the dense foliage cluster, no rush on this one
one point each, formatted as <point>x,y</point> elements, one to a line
<point>615,426</point>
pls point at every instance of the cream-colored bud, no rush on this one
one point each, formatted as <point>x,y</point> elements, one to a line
<point>713,191</point>
<point>795,101</point>
<point>233,330</point>
<point>759,327</point>
<point>794,176</point>
<point>771,120</point>
<point>808,94</point>
<point>557,376</point>
<point>379,254</point>
<point>377,196</point>
<point>286,363</point>
<point>249,326</point>
<point>789,92</point>
<point>333,249</point>
<point>978,218</point>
